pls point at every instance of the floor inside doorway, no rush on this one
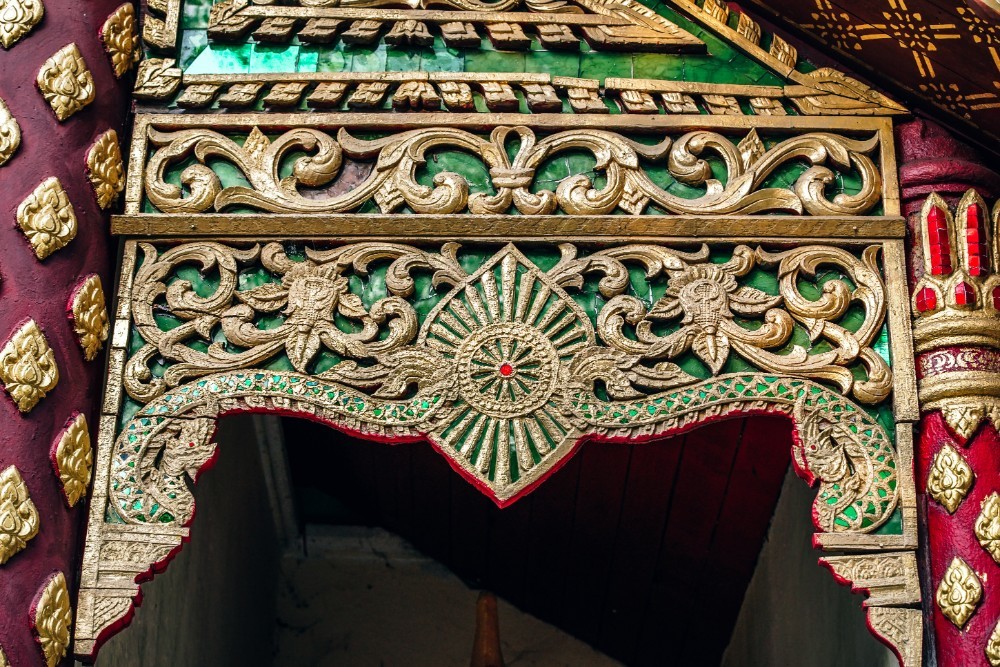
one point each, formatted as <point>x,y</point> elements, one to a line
<point>365,597</point>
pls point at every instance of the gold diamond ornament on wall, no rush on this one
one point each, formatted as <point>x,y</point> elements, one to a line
<point>121,39</point>
<point>105,169</point>
<point>47,218</point>
<point>18,516</point>
<point>72,457</point>
<point>10,134</point>
<point>18,18</point>
<point>90,316</point>
<point>950,478</point>
<point>52,619</point>
<point>959,593</point>
<point>66,82</point>
<point>28,366</point>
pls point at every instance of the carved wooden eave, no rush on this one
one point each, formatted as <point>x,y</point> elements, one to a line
<point>316,180</point>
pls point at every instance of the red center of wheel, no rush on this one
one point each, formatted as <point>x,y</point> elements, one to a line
<point>506,369</point>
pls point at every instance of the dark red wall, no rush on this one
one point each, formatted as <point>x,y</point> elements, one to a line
<point>40,290</point>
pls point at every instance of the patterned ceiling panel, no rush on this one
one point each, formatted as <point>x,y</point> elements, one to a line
<point>946,54</point>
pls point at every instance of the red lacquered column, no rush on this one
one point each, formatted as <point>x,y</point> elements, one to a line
<point>64,80</point>
<point>946,188</point>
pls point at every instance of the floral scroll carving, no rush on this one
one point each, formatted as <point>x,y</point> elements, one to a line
<point>393,182</point>
<point>18,515</point>
<point>17,19</point>
<point>508,355</point>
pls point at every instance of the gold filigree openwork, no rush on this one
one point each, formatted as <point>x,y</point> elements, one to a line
<point>18,516</point>
<point>987,526</point>
<point>105,169</point>
<point>66,82</point>
<point>10,134</point>
<point>950,478</point>
<point>52,619</point>
<point>393,183</point>
<point>121,39</point>
<point>959,593</point>
<point>90,316</point>
<point>72,457</point>
<point>17,19</point>
<point>28,366</point>
<point>47,218</point>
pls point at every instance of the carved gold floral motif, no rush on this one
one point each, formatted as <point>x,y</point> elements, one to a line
<point>66,82</point>
<point>90,316</point>
<point>950,478</point>
<point>959,593</point>
<point>988,526</point>
<point>28,366</point>
<point>105,169</point>
<point>18,516</point>
<point>47,218</point>
<point>157,78</point>
<point>993,646</point>
<point>73,458</point>
<point>507,355</point>
<point>53,618</point>
<point>393,183</point>
<point>10,133</point>
<point>17,18</point>
<point>121,39</point>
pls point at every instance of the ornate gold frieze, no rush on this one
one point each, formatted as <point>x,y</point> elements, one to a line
<point>121,39</point>
<point>902,629</point>
<point>17,18</point>
<point>890,579</point>
<point>105,169</point>
<point>987,526</point>
<point>950,478</point>
<point>66,82</point>
<point>959,593</point>
<point>10,134</point>
<point>47,218</point>
<point>90,316</point>
<point>18,516</point>
<point>52,619</point>
<point>28,366</point>
<point>702,301</point>
<point>73,457</point>
<point>459,91</point>
<point>393,183</point>
<point>603,24</point>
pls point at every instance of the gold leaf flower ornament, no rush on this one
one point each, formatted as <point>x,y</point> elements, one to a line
<point>47,218</point>
<point>121,39</point>
<point>28,366</point>
<point>90,316</point>
<point>17,18</point>
<point>73,458</point>
<point>105,169</point>
<point>10,133</point>
<point>959,593</point>
<point>52,619</point>
<point>66,82</point>
<point>18,516</point>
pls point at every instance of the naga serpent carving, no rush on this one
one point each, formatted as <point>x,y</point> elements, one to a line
<point>502,369</point>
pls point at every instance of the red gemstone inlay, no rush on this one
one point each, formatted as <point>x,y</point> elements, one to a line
<point>938,243</point>
<point>927,300</point>
<point>964,294</point>
<point>975,238</point>
<point>506,369</point>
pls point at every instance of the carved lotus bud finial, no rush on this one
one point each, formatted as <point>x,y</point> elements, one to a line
<point>66,82</point>
<point>28,366</point>
<point>52,619</point>
<point>18,516</point>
